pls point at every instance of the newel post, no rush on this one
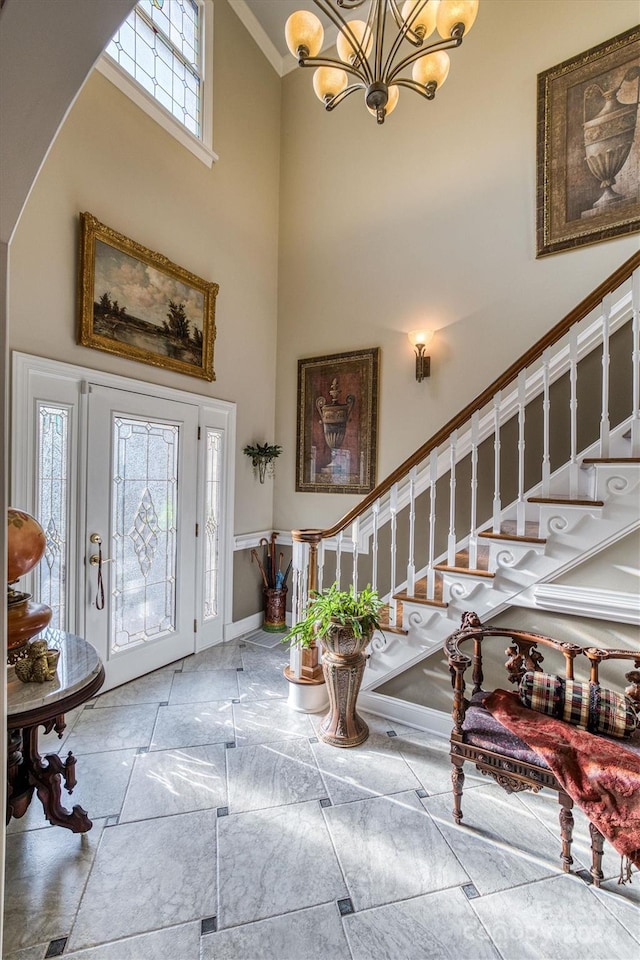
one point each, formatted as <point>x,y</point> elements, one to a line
<point>307,692</point>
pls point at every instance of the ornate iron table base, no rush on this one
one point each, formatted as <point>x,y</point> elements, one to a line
<point>79,676</point>
<point>28,772</point>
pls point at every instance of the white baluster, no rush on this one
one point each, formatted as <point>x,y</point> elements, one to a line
<point>320,562</point>
<point>393,507</point>
<point>295,660</point>
<point>473,537</point>
<point>299,581</point>
<point>497,502</point>
<point>604,420</point>
<point>546,409</point>
<point>635,360</point>
<point>521,505</point>
<point>574,466</point>
<point>433,476</point>
<point>451,540</point>
<point>355,531</point>
<point>411,565</point>
<point>375,509</point>
<point>339,558</point>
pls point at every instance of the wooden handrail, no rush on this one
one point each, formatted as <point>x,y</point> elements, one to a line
<point>556,333</point>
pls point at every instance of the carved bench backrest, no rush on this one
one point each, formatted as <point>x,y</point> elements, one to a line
<point>524,652</point>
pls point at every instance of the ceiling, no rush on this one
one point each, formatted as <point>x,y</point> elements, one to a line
<point>265,20</point>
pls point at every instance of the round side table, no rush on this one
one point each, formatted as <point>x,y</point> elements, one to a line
<point>79,676</point>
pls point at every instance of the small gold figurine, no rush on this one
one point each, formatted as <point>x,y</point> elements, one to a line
<point>39,665</point>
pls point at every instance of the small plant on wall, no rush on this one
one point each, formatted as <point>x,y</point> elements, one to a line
<point>263,457</point>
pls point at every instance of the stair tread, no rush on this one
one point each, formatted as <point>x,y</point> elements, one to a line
<point>416,598</point>
<point>508,531</point>
<point>389,629</point>
<point>575,501</point>
<point>419,594</point>
<point>475,572</point>
<point>489,535</point>
<point>461,564</point>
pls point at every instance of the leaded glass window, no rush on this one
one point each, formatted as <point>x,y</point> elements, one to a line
<point>213,498</point>
<point>143,530</point>
<point>52,510</point>
<point>159,46</point>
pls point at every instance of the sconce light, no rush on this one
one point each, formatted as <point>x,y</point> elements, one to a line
<point>419,339</point>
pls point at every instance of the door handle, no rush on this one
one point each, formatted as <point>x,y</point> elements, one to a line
<point>95,560</point>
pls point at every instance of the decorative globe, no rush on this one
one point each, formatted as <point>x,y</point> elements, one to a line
<point>26,543</point>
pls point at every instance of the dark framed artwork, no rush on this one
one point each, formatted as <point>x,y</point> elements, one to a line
<point>338,422</point>
<point>588,163</point>
<point>138,304</point>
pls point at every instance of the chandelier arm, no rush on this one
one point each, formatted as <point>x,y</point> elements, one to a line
<point>350,4</point>
<point>404,33</point>
<point>328,62</point>
<point>380,15</point>
<point>343,27</point>
<point>339,97</point>
<point>397,16</point>
<point>448,44</point>
<point>416,87</point>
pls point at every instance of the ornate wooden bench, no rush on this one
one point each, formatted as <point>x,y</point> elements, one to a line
<point>496,751</point>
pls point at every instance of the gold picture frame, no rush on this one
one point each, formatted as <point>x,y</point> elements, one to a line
<point>588,155</point>
<point>337,426</point>
<point>138,304</point>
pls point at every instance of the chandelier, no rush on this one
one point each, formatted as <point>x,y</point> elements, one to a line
<point>367,62</point>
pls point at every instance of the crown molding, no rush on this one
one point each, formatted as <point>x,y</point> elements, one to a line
<point>259,34</point>
<point>281,65</point>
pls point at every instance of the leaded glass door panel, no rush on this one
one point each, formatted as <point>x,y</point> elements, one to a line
<point>141,521</point>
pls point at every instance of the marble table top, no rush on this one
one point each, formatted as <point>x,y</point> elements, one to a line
<point>78,665</point>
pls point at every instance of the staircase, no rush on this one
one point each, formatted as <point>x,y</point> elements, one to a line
<point>537,474</point>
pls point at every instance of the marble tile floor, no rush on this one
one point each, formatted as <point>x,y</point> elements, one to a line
<point>224,830</point>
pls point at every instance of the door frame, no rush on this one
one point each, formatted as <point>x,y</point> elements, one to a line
<point>37,378</point>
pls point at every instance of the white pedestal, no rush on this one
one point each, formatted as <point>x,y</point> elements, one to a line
<point>308,697</point>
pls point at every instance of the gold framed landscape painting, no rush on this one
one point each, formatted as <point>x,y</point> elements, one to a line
<point>139,304</point>
<point>588,163</point>
<point>337,426</point>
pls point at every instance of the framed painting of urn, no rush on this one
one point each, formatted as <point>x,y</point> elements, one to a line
<point>338,422</point>
<point>588,162</point>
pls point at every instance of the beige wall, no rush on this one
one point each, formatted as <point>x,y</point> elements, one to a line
<point>617,568</point>
<point>430,217</point>
<point>428,683</point>
<point>222,224</point>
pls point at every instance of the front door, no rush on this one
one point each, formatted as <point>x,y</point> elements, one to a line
<point>140,561</point>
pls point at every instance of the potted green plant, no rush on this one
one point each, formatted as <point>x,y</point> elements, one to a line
<point>262,458</point>
<point>343,622</point>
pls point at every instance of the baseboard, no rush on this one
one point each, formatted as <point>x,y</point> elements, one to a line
<point>410,714</point>
<point>234,630</point>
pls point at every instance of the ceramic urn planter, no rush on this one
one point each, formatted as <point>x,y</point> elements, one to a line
<point>343,663</point>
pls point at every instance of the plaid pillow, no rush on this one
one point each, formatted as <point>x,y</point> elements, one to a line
<point>583,704</point>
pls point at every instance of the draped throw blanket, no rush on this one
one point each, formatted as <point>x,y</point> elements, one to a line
<point>602,776</point>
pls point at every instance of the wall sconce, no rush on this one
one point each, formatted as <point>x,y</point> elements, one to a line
<point>419,339</point>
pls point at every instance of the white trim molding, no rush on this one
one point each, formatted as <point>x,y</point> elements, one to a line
<point>201,147</point>
<point>257,31</point>
<point>281,65</point>
<point>239,628</point>
<point>248,541</point>
<point>589,602</point>
<point>410,714</point>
